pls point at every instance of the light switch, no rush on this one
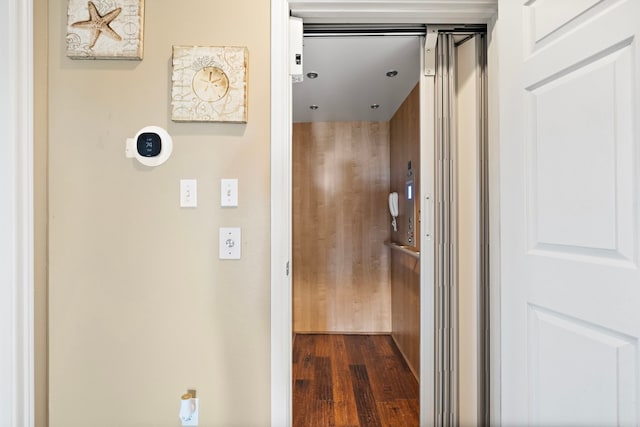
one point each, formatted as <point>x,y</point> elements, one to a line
<point>229,192</point>
<point>230,243</point>
<point>188,193</point>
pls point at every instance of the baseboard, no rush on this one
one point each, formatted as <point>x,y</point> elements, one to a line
<point>404,356</point>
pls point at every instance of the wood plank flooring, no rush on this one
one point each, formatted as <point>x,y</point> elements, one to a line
<point>352,380</point>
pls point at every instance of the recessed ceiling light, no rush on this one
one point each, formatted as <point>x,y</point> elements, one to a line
<point>312,74</point>
<point>375,106</point>
<point>392,73</point>
<point>313,107</point>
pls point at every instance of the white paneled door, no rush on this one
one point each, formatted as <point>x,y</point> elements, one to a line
<point>570,144</point>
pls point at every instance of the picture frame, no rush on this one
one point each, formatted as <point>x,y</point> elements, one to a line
<point>105,29</point>
<point>209,84</point>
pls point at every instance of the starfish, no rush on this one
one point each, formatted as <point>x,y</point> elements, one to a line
<point>99,24</point>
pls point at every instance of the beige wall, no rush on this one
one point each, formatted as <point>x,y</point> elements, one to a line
<point>140,306</point>
<point>40,154</point>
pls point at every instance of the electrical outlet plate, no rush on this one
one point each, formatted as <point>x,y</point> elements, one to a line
<point>193,419</point>
<point>230,243</point>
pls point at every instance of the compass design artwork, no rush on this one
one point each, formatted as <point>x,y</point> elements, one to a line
<point>105,29</point>
<point>209,84</point>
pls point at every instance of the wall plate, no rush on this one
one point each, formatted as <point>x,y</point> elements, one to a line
<point>229,193</point>
<point>230,243</point>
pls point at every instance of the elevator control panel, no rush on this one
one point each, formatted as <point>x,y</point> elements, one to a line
<point>409,194</point>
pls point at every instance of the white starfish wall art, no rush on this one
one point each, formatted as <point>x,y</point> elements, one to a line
<point>105,29</point>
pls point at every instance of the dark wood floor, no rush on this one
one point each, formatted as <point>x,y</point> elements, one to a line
<point>352,380</point>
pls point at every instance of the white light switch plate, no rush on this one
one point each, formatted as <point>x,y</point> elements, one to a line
<point>188,193</point>
<point>229,192</point>
<point>230,243</point>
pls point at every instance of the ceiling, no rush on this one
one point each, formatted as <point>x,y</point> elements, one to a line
<point>352,77</point>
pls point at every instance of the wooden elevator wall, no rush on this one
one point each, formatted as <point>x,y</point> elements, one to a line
<point>405,270</point>
<point>341,277</point>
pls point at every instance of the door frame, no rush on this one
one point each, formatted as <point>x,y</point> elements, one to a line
<point>426,11</point>
<point>16,215</point>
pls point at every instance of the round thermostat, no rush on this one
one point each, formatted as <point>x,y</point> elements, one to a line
<point>151,146</point>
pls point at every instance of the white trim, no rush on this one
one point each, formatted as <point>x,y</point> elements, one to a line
<point>16,215</point>
<point>427,244</point>
<point>372,11</point>
<point>412,11</point>
<point>281,303</point>
<point>494,221</point>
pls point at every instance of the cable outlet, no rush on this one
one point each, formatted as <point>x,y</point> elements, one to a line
<point>230,243</point>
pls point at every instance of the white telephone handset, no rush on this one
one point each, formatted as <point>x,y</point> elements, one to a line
<point>393,209</point>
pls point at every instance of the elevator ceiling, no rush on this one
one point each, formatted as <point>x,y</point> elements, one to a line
<point>352,77</point>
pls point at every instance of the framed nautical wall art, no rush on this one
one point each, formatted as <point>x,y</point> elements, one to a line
<point>105,29</point>
<point>209,84</point>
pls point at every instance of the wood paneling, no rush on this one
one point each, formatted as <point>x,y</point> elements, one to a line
<point>404,131</point>
<point>405,270</point>
<point>405,306</point>
<point>352,380</point>
<point>340,223</point>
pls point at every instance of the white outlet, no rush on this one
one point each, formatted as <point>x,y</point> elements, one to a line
<point>190,413</point>
<point>230,243</point>
<point>229,192</point>
<point>188,193</point>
